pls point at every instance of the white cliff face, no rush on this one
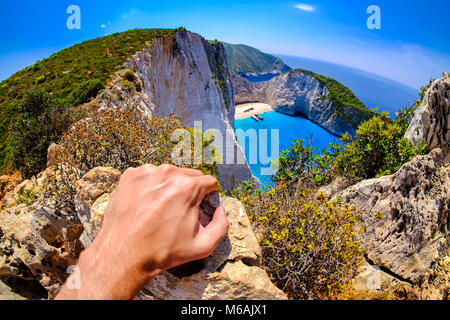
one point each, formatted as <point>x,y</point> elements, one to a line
<point>299,92</point>
<point>185,75</point>
<point>430,124</point>
<point>294,92</point>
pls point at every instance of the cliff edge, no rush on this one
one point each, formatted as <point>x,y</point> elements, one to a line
<point>320,99</point>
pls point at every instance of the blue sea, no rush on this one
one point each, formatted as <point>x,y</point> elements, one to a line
<point>371,89</point>
<point>290,128</point>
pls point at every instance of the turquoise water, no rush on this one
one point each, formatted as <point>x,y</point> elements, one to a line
<point>290,128</point>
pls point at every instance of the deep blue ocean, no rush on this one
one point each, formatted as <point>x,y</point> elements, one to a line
<point>371,89</point>
<point>290,128</point>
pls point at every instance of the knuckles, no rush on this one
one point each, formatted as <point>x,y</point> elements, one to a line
<point>166,168</point>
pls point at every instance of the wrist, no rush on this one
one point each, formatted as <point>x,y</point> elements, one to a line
<point>104,274</point>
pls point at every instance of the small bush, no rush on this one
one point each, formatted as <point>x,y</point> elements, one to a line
<point>378,149</point>
<point>127,85</point>
<point>86,90</point>
<point>306,164</point>
<point>27,197</point>
<point>309,245</point>
<point>130,76</point>
<point>39,80</point>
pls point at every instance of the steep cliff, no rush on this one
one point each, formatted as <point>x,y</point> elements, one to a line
<point>320,99</point>
<point>73,76</point>
<point>186,75</point>
<point>430,124</point>
<point>177,72</point>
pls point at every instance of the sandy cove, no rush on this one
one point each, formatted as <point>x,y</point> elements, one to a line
<point>252,109</point>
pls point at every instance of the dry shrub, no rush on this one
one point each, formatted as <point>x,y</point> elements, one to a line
<point>123,139</point>
<point>309,244</point>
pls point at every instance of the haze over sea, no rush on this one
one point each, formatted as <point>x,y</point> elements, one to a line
<point>372,90</point>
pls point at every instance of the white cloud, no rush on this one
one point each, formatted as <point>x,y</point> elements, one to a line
<point>305,7</point>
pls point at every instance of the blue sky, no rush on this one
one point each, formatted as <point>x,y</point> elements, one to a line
<point>412,45</point>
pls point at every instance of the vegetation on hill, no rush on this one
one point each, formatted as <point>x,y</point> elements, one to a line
<point>43,119</point>
<point>348,107</point>
<point>72,76</point>
<point>245,59</point>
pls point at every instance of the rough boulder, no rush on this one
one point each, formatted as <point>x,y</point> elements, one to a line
<point>430,124</point>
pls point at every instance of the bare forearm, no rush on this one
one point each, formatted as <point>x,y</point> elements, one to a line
<point>98,276</point>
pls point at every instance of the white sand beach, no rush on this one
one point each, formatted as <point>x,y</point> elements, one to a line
<point>249,109</point>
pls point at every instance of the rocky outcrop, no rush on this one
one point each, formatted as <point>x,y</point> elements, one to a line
<point>8,183</point>
<point>186,75</point>
<point>430,124</point>
<point>406,217</point>
<point>231,272</point>
<point>297,92</point>
<point>38,238</point>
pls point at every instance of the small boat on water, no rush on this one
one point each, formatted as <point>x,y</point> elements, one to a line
<point>259,117</point>
<point>255,118</point>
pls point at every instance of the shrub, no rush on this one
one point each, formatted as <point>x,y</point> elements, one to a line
<point>127,85</point>
<point>86,90</point>
<point>378,149</point>
<point>43,120</point>
<point>306,164</point>
<point>118,139</point>
<point>27,197</point>
<point>309,245</point>
<point>130,76</point>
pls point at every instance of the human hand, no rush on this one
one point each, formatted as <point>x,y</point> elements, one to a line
<point>151,224</point>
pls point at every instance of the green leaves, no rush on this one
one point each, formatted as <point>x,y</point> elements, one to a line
<point>86,90</point>
<point>306,163</point>
<point>42,120</point>
<point>379,147</point>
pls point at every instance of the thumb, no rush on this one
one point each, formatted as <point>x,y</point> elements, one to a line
<point>209,237</point>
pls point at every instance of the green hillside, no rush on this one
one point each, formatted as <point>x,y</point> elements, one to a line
<point>346,102</point>
<point>72,76</point>
<point>245,59</point>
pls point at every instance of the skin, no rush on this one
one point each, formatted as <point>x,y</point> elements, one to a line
<point>150,225</point>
